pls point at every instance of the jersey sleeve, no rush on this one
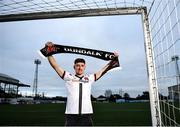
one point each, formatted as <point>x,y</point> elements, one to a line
<point>67,76</point>
<point>92,78</point>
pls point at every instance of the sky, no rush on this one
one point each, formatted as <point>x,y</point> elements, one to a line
<point>19,42</point>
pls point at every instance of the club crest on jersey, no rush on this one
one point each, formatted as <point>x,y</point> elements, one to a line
<point>86,79</point>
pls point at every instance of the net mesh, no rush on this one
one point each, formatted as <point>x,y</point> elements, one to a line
<point>31,6</point>
<point>165,31</point>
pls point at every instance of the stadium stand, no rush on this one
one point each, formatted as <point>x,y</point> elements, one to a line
<point>9,86</point>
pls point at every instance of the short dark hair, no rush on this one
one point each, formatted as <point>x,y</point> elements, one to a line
<point>79,60</point>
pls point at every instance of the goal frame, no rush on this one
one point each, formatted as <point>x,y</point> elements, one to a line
<point>151,72</point>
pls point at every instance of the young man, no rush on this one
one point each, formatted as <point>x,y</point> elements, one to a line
<point>78,108</point>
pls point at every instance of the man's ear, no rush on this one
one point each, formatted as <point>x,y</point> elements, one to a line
<point>74,66</point>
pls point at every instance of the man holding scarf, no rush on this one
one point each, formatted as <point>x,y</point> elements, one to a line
<point>79,107</point>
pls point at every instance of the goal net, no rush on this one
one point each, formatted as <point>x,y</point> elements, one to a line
<point>165,31</point>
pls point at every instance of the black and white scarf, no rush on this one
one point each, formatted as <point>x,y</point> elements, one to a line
<point>51,50</point>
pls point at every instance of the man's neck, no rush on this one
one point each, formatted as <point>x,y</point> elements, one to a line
<point>81,75</point>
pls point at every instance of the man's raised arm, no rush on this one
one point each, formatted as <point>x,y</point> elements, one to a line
<point>53,63</point>
<point>100,73</point>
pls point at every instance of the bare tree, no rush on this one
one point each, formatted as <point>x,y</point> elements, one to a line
<point>108,93</point>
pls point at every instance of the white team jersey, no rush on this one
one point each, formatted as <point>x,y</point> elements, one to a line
<point>78,93</point>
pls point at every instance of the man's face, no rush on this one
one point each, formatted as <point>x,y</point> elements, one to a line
<point>79,68</point>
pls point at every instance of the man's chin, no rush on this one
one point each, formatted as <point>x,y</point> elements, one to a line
<point>79,73</point>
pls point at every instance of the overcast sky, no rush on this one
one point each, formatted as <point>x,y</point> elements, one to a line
<point>19,42</point>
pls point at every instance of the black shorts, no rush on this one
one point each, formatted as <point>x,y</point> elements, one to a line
<point>78,120</point>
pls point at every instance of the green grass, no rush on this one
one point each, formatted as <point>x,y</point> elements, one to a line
<point>170,111</point>
<point>53,114</point>
<point>122,114</point>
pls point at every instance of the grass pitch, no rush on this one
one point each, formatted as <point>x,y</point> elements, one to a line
<point>105,114</point>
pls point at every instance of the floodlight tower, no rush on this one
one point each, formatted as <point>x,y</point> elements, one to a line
<point>37,62</point>
<point>175,59</point>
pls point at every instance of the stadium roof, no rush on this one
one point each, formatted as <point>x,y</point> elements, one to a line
<point>10,80</point>
<point>16,10</point>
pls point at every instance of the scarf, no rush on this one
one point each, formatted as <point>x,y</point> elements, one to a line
<point>103,55</point>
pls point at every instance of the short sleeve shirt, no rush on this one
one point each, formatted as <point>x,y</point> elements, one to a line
<point>78,93</point>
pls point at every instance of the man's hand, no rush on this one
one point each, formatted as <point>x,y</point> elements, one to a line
<point>50,48</point>
<point>116,54</point>
<point>113,62</point>
<point>49,44</point>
